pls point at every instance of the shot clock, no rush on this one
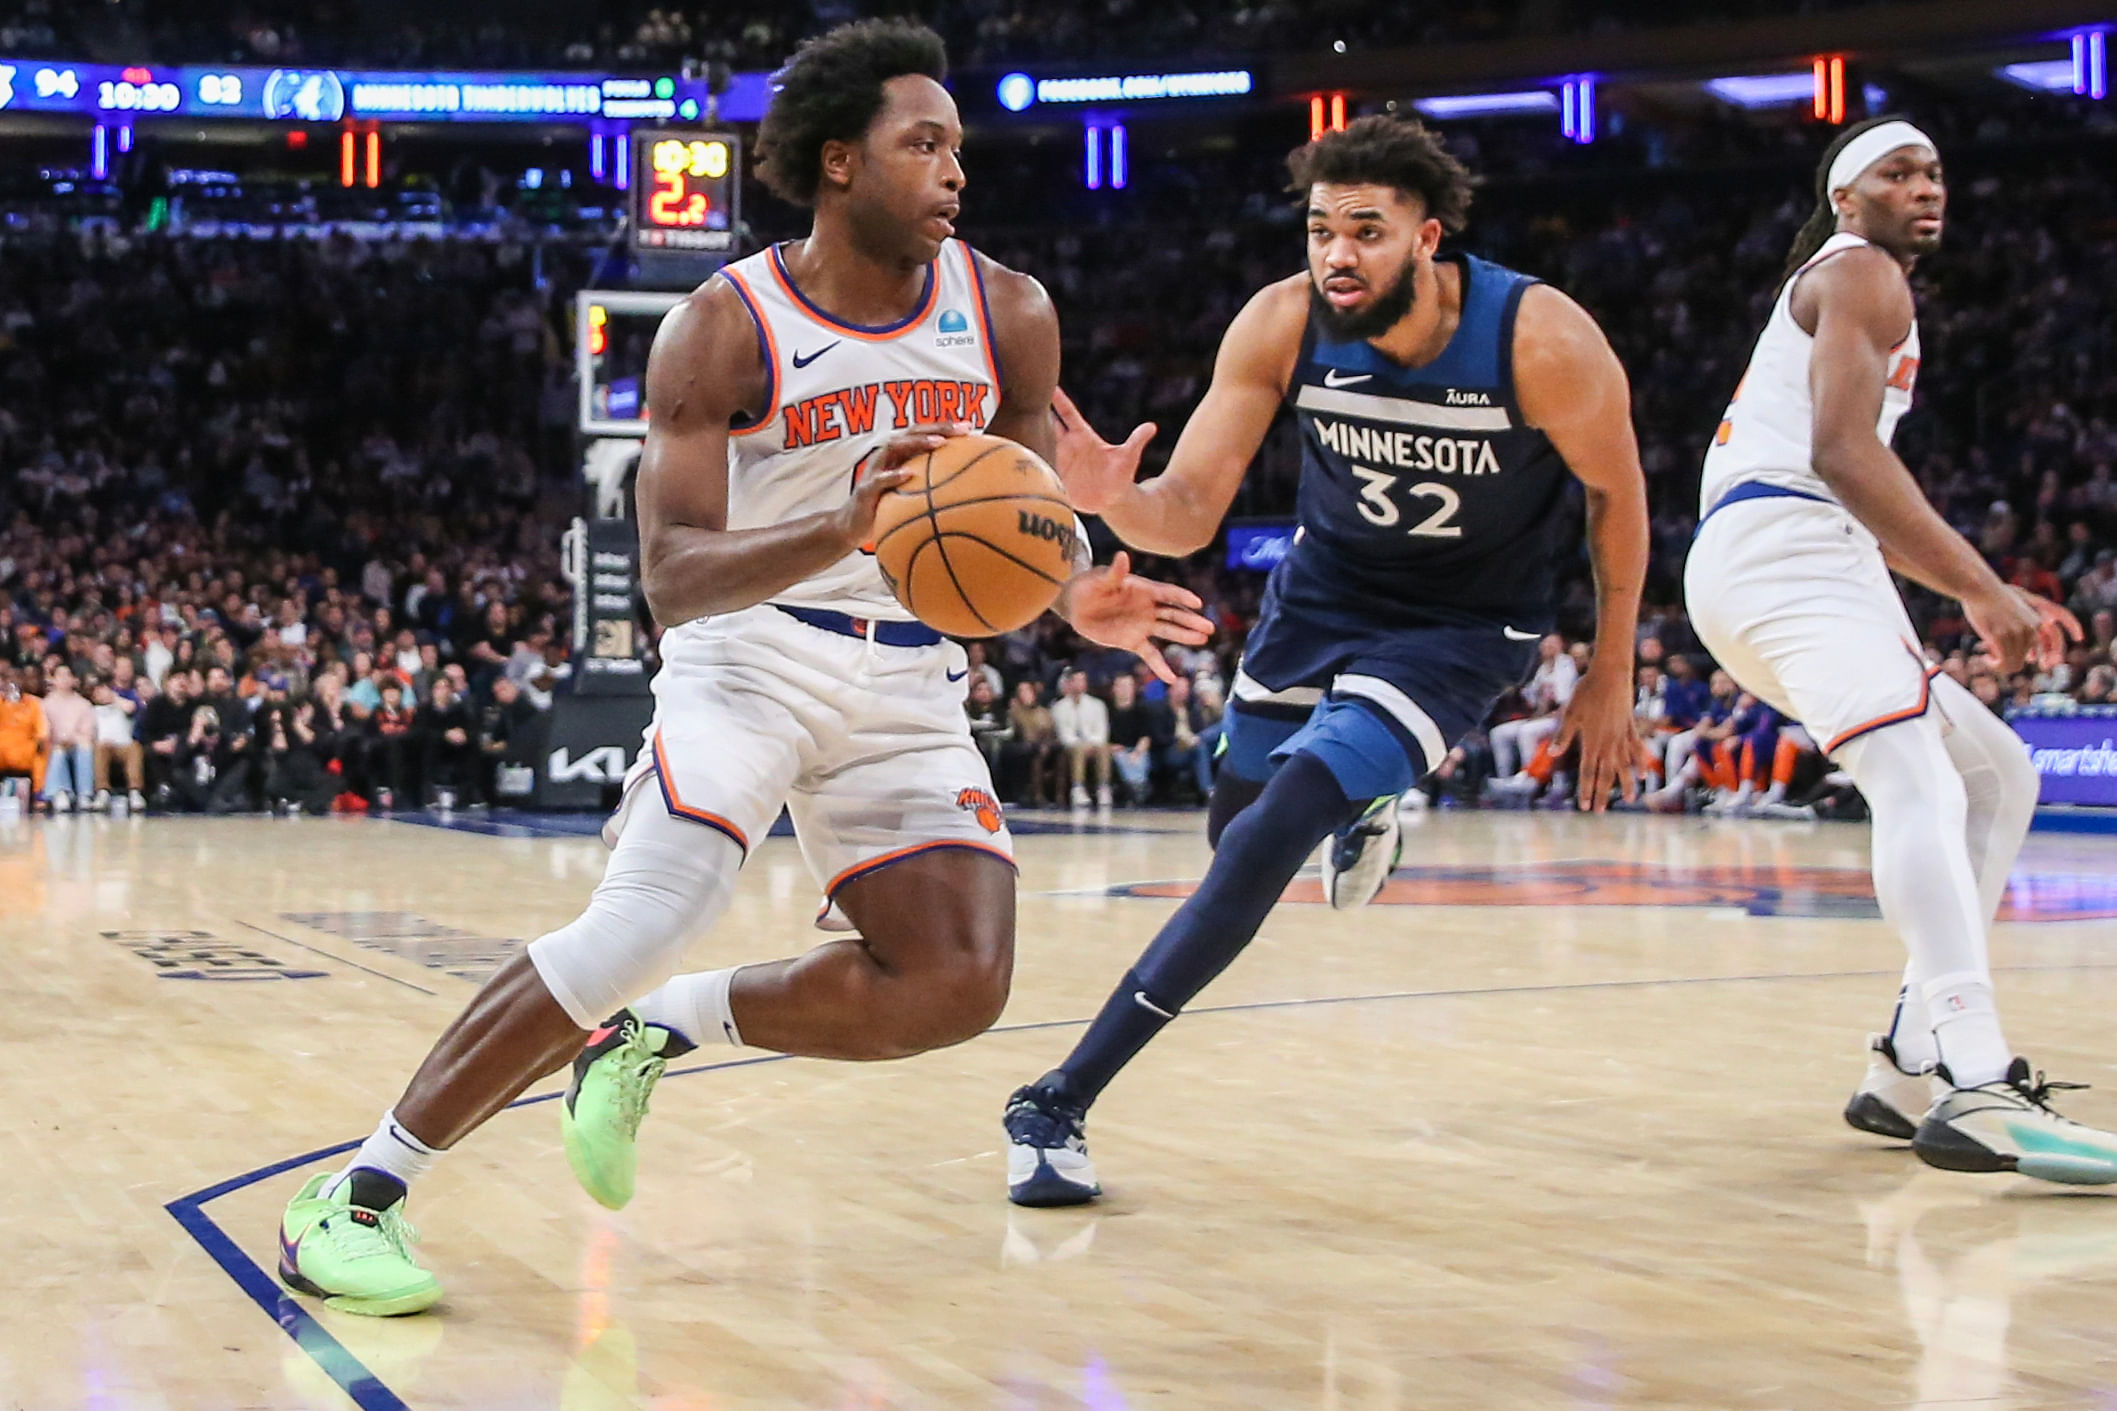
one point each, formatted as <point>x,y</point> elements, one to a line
<point>685,190</point>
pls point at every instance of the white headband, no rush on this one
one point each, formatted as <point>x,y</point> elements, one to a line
<point>1870,147</point>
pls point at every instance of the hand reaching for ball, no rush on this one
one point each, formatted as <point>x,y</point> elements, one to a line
<point>883,473</point>
<point>1112,606</point>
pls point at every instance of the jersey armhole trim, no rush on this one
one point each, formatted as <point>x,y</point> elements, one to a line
<point>766,349</point>
<point>1522,285</point>
<point>991,346</point>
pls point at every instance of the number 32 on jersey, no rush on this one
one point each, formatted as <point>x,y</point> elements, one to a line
<point>1378,509</point>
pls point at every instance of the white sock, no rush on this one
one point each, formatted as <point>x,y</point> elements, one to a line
<point>694,1006</point>
<point>1775,794</point>
<point>1911,1030</point>
<point>391,1150</point>
<point>1966,1029</point>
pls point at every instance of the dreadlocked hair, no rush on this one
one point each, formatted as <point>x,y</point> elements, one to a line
<point>830,91</point>
<point>1822,222</point>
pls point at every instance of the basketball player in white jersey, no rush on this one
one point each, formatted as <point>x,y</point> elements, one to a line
<point>1805,510</point>
<point>785,392</point>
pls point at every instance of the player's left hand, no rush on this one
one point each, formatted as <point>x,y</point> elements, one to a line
<point>1599,718</point>
<point>1111,606</point>
<point>2054,628</point>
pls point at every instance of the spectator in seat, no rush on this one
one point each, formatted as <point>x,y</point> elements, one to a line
<point>988,722</point>
<point>71,723</point>
<point>980,664</point>
<point>506,729</point>
<point>231,735</point>
<point>116,717</point>
<point>296,754</point>
<point>392,755</point>
<point>492,650</point>
<point>1030,758</point>
<point>1547,695</point>
<point>161,728</point>
<point>1185,759</point>
<point>1138,731</point>
<point>448,756</point>
<point>1083,725</point>
<point>24,734</point>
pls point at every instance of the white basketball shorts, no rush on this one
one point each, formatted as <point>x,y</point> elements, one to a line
<point>1793,598</point>
<point>866,745</point>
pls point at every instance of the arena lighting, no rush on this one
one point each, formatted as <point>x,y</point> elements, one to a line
<point>125,137</point>
<point>1771,90</point>
<point>1117,157</point>
<point>99,152</point>
<point>622,178</point>
<point>345,157</point>
<point>1094,157</point>
<point>2091,64</point>
<point>1828,103</point>
<point>374,176</point>
<point>598,161</point>
<point>2045,76</point>
<point>1016,92</point>
<point>1578,99</point>
<point>1144,87</point>
<point>1485,105</point>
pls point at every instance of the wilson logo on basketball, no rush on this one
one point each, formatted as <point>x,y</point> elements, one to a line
<point>1038,526</point>
<point>981,805</point>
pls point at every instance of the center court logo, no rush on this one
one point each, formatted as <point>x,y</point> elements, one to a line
<point>981,805</point>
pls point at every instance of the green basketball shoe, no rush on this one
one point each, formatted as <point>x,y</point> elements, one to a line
<point>355,1259</point>
<point>606,1101</point>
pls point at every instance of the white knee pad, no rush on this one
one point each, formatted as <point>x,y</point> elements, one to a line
<point>668,880</point>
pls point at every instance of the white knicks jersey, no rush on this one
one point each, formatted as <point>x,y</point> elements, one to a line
<point>1767,433</point>
<point>836,392</point>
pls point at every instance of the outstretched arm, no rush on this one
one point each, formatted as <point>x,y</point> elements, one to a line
<point>1572,388</point>
<point>1179,511</point>
<point>1106,605</point>
<point>1859,304</point>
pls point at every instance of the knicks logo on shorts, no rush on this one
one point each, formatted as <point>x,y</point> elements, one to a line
<point>981,805</point>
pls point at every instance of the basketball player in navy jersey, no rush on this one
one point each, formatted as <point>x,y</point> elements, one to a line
<point>790,674</point>
<point>1443,403</point>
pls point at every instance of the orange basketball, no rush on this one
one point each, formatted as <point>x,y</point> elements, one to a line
<point>979,540</point>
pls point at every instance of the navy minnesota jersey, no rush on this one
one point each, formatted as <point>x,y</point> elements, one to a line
<point>1423,496</point>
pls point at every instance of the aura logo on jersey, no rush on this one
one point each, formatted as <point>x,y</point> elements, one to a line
<point>852,411</point>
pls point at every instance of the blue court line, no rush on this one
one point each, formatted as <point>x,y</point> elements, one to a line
<point>367,1390</point>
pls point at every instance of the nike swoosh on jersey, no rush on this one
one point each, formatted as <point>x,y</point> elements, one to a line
<point>802,362</point>
<point>1330,379</point>
<point>1513,635</point>
<point>959,675</point>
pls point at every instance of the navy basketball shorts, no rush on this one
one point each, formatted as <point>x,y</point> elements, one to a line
<point>1379,705</point>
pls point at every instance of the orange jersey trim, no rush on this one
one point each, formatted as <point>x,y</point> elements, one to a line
<point>1895,717</point>
<point>882,334</point>
<point>876,864</point>
<point>992,349</point>
<point>766,347</point>
<point>680,809</point>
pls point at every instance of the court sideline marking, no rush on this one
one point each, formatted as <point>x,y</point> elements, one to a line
<point>370,1394</point>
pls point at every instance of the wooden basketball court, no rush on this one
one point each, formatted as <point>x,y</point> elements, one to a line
<point>1557,1128</point>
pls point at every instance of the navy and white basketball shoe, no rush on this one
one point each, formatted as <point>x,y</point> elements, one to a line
<point>1359,858</point>
<point>1047,1152</point>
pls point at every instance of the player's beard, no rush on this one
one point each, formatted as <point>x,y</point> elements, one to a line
<point>1375,319</point>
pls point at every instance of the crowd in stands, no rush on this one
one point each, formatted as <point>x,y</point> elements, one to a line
<point>286,512</point>
<point>759,34</point>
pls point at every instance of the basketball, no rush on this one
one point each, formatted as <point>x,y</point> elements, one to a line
<point>980,540</point>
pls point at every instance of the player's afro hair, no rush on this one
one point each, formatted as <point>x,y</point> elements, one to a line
<point>831,90</point>
<point>1387,151</point>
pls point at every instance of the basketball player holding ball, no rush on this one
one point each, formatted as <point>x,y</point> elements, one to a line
<point>788,393</point>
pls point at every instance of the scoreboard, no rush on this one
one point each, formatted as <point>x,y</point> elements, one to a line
<point>686,191</point>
